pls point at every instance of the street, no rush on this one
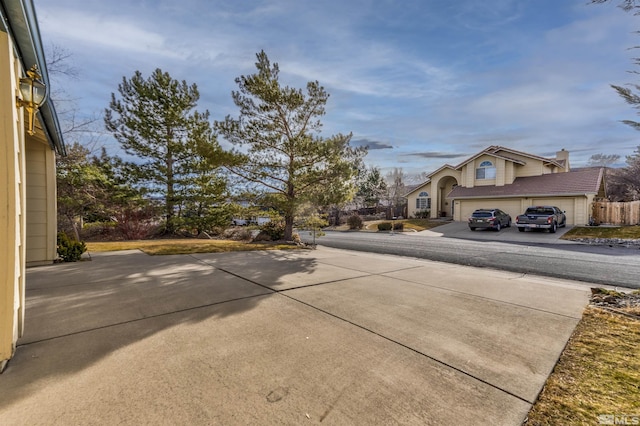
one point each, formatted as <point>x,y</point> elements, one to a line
<point>603,265</point>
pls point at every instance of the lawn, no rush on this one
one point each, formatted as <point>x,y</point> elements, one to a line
<point>627,232</point>
<point>185,246</point>
<point>598,374</point>
<point>409,225</point>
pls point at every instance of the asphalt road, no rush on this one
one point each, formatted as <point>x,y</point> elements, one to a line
<point>604,265</point>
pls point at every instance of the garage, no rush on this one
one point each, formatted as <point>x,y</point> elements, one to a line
<point>568,205</point>
<point>508,205</point>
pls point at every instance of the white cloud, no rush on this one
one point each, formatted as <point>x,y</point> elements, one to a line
<point>115,33</point>
<point>450,76</point>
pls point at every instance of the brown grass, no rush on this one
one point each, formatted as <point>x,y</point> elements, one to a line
<point>597,374</point>
<point>185,246</point>
<point>409,224</point>
<point>630,232</point>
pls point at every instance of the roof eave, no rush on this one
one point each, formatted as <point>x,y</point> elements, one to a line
<point>492,150</point>
<point>420,186</point>
<point>568,194</point>
<point>20,19</point>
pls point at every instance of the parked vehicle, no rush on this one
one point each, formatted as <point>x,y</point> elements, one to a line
<point>489,218</point>
<point>541,217</point>
<point>236,221</point>
<point>259,220</point>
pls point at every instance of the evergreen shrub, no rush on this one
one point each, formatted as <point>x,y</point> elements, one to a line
<point>384,226</point>
<point>355,222</point>
<point>70,250</point>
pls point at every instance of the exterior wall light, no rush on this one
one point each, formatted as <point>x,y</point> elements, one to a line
<point>34,93</point>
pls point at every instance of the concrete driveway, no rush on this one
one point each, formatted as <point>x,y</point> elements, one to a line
<point>461,230</point>
<point>284,337</point>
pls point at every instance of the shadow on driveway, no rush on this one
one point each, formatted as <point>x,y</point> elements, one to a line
<point>122,298</point>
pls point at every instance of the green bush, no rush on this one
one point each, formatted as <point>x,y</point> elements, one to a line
<point>384,226</point>
<point>70,250</point>
<point>398,226</point>
<point>274,230</point>
<point>355,222</point>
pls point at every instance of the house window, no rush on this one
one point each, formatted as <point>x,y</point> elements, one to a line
<point>486,170</point>
<point>423,202</point>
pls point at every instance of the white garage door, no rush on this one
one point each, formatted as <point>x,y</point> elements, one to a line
<point>565,204</point>
<point>511,206</point>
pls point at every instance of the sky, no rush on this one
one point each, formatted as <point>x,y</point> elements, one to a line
<point>420,82</point>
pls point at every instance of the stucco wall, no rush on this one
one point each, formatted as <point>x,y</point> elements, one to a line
<point>411,198</point>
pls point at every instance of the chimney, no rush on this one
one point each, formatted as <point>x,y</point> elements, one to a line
<point>562,157</point>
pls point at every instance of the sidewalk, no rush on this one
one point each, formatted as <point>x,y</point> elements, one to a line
<point>284,337</point>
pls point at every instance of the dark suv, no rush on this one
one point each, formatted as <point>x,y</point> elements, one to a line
<point>489,218</point>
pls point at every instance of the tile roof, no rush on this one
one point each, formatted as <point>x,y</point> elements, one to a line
<point>578,181</point>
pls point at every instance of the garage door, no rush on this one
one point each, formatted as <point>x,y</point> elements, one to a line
<point>511,206</point>
<point>565,204</point>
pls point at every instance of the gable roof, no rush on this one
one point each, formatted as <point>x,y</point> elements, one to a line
<point>576,182</point>
<point>446,166</point>
<point>503,152</point>
<point>413,188</point>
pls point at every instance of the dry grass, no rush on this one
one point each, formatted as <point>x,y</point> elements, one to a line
<point>409,224</point>
<point>597,374</point>
<point>630,232</point>
<point>421,224</point>
<point>186,246</point>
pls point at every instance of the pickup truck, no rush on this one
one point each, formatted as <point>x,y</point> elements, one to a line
<point>541,217</point>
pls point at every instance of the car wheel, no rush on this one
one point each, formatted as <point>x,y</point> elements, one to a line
<point>498,227</point>
<point>521,229</point>
<point>473,229</point>
<point>509,223</point>
<point>554,228</point>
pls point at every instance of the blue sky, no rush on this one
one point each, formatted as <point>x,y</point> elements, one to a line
<point>421,82</point>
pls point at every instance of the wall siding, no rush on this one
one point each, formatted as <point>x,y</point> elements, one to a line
<point>12,201</point>
<point>38,204</point>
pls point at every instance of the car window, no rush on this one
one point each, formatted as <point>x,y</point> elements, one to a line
<point>481,214</point>
<point>539,210</point>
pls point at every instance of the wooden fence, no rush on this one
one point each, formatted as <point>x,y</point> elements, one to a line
<point>617,213</point>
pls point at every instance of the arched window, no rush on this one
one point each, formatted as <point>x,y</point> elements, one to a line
<point>423,202</point>
<point>486,170</point>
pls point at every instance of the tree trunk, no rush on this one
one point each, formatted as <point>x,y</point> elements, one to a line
<point>74,226</point>
<point>170,200</point>
<point>288,227</point>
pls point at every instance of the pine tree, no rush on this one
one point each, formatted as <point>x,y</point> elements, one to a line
<point>154,120</point>
<point>279,147</point>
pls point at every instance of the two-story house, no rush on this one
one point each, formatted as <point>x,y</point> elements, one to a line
<point>503,178</point>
